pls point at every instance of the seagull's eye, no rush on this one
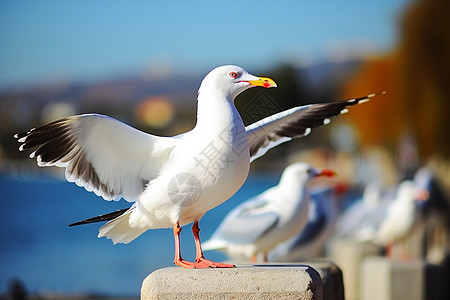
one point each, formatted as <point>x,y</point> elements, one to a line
<point>233,74</point>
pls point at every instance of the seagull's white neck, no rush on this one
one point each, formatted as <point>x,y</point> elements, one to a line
<point>215,111</point>
<point>294,200</point>
<point>293,184</point>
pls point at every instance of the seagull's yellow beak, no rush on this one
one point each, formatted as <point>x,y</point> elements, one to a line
<point>264,82</point>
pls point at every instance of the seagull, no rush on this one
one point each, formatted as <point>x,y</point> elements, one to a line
<point>323,213</point>
<point>172,181</point>
<point>259,224</point>
<point>403,216</point>
<point>436,212</point>
<point>363,217</point>
<point>438,205</point>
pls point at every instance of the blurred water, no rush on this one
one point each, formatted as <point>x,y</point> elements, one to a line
<point>38,248</point>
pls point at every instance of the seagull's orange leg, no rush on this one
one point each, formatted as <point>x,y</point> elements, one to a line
<point>254,258</point>
<point>179,261</point>
<point>201,261</point>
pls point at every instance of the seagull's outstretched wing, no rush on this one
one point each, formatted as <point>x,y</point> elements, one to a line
<point>99,153</point>
<point>294,123</point>
<point>246,223</point>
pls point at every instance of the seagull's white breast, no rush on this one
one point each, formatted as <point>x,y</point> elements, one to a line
<point>209,165</point>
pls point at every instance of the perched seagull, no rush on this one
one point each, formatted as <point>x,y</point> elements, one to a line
<point>436,211</point>
<point>403,216</point>
<point>364,216</point>
<point>172,181</point>
<point>323,213</point>
<point>259,224</point>
<point>438,204</point>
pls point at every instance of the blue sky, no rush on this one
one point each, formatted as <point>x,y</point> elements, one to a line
<point>84,40</point>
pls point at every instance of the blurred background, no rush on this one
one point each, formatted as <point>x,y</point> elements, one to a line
<point>142,63</point>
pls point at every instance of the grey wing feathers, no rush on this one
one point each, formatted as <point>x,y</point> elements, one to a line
<point>294,123</point>
<point>99,153</point>
<point>55,145</point>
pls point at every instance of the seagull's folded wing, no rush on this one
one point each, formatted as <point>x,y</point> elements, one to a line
<point>293,123</point>
<point>99,153</point>
<point>316,224</point>
<point>246,223</point>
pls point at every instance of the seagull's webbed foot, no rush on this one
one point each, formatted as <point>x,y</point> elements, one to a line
<point>185,264</point>
<point>201,263</point>
<point>206,263</point>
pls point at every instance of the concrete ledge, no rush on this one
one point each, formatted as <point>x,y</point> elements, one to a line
<point>388,279</point>
<point>382,278</point>
<point>332,279</point>
<point>265,281</point>
<point>348,256</point>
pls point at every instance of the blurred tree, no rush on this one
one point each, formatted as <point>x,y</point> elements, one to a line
<point>424,73</point>
<point>382,121</point>
<point>416,77</point>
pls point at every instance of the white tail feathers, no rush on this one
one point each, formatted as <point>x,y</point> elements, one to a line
<point>119,230</point>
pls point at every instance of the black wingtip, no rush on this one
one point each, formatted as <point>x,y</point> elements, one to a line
<point>376,94</point>
<point>105,217</point>
<point>78,223</point>
<point>364,99</point>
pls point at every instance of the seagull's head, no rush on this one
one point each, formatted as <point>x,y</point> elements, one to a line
<point>229,81</point>
<point>408,191</point>
<point>300,173</point>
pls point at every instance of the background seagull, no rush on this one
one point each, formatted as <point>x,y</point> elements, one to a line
<point>309,243</point>
<point>173,181</point>
<point>436,212</point>
<point>261,223</point>
<point>361,220</point>
<point>403,216</point>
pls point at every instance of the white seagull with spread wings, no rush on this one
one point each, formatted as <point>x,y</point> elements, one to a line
<point>172,181</point>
